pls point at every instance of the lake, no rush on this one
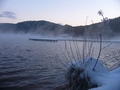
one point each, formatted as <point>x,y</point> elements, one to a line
<point>32,65</point>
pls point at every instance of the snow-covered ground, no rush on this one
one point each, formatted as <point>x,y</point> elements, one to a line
<point>101,77</point>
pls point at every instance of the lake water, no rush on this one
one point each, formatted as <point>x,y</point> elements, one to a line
<point>31,65</point>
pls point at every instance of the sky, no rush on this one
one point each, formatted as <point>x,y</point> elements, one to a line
<point>71,12</point>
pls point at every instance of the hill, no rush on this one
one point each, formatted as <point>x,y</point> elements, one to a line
<point>48,28</point>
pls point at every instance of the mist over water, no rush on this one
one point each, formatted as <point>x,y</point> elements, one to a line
<point>31,65</point>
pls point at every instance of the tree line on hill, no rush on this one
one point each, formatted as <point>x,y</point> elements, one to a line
<point>48,28</point>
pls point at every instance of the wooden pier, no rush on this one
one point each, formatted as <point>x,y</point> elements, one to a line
<point>56,40</point>
<point>47,40</point>
<point>96,41</point>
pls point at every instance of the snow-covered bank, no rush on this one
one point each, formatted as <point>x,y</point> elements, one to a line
<point>79,73</point>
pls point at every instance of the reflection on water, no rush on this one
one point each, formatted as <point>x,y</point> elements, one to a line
<point>30,65</point>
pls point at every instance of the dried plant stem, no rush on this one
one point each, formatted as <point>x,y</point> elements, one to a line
<point>84,50</point>
<point>76,48</point>
<point>57,57</point>
<point>67,51</point>
<point>90,48</point>
<point>107,46</point>
<point>99,52</point>
<point>71,49</point>
<point>79,54</point>
<point>64,55</point>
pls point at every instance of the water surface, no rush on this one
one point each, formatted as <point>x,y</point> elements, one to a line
<point>31,65</point>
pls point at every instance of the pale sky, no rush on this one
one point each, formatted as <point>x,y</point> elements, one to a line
<point>72,12</point>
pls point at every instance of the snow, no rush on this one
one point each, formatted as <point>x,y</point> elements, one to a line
<point>104,79</point>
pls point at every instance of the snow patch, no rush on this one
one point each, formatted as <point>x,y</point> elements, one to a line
<point>101,77</point>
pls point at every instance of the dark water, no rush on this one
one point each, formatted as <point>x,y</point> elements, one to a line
<point>30,65</point>
<point>26,64</point>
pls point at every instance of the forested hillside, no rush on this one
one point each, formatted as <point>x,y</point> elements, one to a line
<point>49,28</point>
